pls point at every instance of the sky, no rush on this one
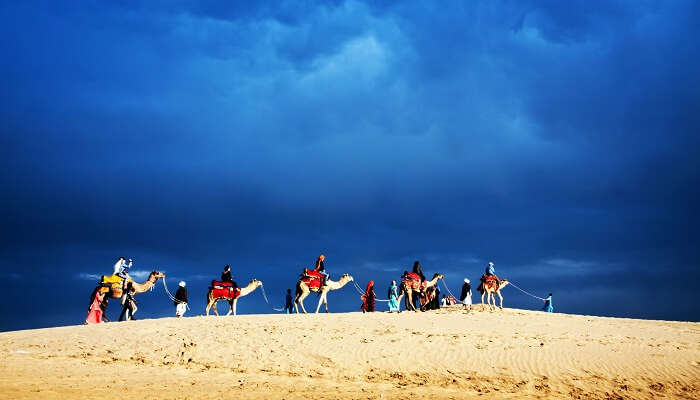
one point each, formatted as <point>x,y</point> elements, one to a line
<point>557,139</point>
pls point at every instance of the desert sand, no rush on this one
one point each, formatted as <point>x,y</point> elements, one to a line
<point>438,355</point>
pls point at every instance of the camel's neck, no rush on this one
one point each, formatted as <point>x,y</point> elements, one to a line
<point>503,284</point>
<point>142,287</point>
<point>337,285</point>
<point>431,282</point>
<point>248,289</point>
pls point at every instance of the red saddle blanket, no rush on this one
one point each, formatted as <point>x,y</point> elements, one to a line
<point>312,278</point>
<point>413,276</point>
<point>224,290</point>
<point>488,281</point>
<point>412,280</point>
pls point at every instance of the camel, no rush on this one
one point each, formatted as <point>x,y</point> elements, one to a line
<point>408,291</point>
<point>489,290</point>
<point>303,290</point>
<point>113,288</point>
<point>211,301</point>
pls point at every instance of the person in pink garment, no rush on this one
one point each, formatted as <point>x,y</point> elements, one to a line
<point>95,312</point>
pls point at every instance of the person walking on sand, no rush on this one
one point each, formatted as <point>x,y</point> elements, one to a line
<point>180,300</point>
<point>548,307</point>
<point>128,303</point>
<point>288,305</point>
<point>466,296</point>
<point>393,296</point>
<point>368,298</point>
<point>95,311</point>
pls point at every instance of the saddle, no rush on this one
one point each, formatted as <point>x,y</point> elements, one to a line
<point>312,278</point>
<point>225,290</point>
<point>413,281</point>
<point>110,279</point>
<point>488,280</point>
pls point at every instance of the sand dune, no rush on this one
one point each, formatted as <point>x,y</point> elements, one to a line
<point>440,354</point>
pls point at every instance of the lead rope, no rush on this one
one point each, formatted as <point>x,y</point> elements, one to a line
<point>527,293</point>
<point>262,289</point>
<point>448,289</point>
<point>362,292</point>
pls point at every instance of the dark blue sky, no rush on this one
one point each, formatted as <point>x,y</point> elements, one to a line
<point>559,139</point>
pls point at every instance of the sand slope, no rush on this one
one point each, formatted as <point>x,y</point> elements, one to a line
<point>443,354</point>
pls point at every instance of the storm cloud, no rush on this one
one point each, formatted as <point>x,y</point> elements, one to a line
<point>557,139</point>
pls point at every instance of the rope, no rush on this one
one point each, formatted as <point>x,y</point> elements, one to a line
<point>262,289</point>
<point>527,293</point>
<point>172,298</point>
<point>362,292</point>
<point>448,290</point>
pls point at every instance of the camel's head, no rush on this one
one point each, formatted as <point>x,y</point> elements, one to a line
<point>438,276</point>
<point>346,277</point>
<point>504,282</point>
<point>156,275</point>
<point>255,282</point>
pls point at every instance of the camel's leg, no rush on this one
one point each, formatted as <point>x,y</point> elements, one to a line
<point>209,304</point>
<point>301,300</point>
<point>501,297</point>
<point>409,301</point>
<point>230,307</point>
<point>325,301</point>
<point>322,300</point>
<point>216,311</point>
<point>234,302</point>
<point>296,301</point>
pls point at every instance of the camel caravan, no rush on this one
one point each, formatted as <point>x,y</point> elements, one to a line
<point>413,287</point>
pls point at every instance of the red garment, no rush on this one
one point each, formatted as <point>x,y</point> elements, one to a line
<point>95,313</point>
<point>368,298</point>
<point>312,278</point>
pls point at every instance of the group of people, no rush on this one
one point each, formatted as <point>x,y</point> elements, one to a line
<point>369,297</point>
<point>99,297</point>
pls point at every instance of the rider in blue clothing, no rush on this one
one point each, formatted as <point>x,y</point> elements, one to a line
<point>490,270</point>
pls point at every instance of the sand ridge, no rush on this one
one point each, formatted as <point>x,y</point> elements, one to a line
<point>438,354</point>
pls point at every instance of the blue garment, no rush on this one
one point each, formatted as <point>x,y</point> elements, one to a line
<point>393,298</point>
<point>548,307</point>
<point>288,305</point>
<point>490,270</point>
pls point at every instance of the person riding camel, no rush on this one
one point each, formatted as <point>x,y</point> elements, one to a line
<point>121,261</point>
<point>490,271</point>
<point>227,277</point>
<point>417,269</point>
<point>321,268</point>
<point>121,269</point>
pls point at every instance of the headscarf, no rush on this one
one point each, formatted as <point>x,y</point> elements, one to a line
<point>370,286</point>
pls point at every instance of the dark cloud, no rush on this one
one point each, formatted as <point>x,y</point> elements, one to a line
<point>558,139</point>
